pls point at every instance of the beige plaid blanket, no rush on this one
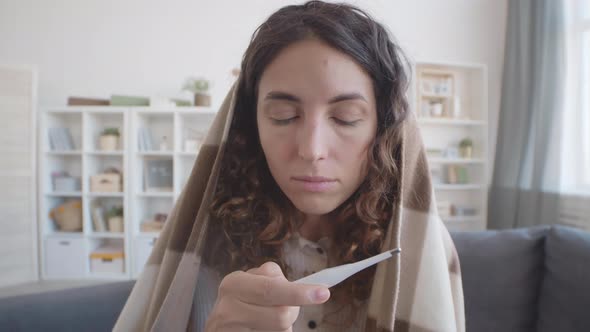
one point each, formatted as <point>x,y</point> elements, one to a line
<point>419,290</point>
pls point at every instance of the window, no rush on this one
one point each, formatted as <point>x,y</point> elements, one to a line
<point>576,131</point>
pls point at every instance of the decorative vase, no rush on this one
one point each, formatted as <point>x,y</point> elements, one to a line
<point>436,109</point>
<point>116,224</point>
<point>108,142</point>
<point>202,99</point>
<point>466,151</point>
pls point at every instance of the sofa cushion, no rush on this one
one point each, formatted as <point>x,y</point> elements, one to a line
<point>565,292</point>
<point>501,273</point>
<point>93,308</point>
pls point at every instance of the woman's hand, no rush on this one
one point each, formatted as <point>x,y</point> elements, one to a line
<point>261,299</point>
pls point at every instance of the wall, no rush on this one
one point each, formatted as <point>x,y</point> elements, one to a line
<point>147,47</point>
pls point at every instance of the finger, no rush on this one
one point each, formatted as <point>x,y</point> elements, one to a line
<point>276,318</point>
<point>269,269</point>
<point>271,291</point>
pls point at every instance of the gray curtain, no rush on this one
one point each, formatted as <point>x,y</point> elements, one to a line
<point>524,188</point>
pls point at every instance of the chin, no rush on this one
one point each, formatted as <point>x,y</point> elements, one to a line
<point>315,205</point>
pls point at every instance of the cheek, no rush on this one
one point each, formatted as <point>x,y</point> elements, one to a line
<point>274,145</point>
<point>355,153</point>
<point>363,157</point>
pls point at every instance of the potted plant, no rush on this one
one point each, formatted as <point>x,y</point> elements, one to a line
<point>109,139</point>
<point>199,87</point>
<point>115,219</point>
<point>466,148</point>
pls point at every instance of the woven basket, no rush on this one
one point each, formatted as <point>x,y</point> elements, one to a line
<point>68,216</point>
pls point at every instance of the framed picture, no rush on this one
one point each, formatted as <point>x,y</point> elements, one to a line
<point>158,175</point>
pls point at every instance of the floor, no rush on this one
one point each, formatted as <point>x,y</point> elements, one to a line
<point>45,286</point>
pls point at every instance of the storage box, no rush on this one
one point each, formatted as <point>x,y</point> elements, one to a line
<point>106,182</point>
<point>66,184</point>
<point>109,260</point>
<point>65,257</point>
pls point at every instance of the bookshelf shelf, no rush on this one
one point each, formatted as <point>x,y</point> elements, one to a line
<point>107,194</point>
<point>109,235</point>
<point>64,194</point>
<point>64,153</point>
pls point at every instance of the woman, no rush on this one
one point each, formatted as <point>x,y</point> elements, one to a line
<point>312,162</point>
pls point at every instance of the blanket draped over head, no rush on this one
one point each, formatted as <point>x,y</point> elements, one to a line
<point>419,290</point>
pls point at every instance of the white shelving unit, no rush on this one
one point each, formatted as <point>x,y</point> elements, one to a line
<point>66,255</point>
<point>176,126</point>
<point>451,103</point>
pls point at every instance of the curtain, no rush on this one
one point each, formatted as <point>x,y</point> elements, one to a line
<point>526,180</point>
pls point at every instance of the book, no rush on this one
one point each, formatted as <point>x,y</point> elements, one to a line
<point>457,174</point>
<point>452,174</point>
<point>83,101</point>
<point>52,139</point>
<point>98,220</point>
<point>145,140</point>
<point>462,175</point>
<point>444,208</point>
<point>140,141</point>
<point>120,100</point>
<point>68,138</point>
<point>181,102</point>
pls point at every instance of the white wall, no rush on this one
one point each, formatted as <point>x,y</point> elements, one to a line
<point>148,47</point>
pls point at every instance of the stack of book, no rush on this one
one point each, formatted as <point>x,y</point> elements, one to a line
<point>457,174</point>
<point>85,101</point>
<point>120,100</point>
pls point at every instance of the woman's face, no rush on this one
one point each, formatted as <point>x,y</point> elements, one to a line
<point>317,119</point>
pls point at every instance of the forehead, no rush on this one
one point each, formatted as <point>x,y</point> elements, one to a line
<point>310,68</point>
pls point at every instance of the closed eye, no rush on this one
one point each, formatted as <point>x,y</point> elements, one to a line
<point>346,123</point>
<point>283,122</point>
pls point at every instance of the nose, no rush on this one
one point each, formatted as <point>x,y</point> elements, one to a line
<point>312,140</point>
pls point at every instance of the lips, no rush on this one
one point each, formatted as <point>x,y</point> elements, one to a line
<point>313,179</point>
<point>314,183</point>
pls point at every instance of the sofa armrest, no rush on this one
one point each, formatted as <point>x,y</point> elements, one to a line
<point>94,308</point>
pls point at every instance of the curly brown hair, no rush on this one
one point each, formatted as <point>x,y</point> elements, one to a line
<point>249,209</point>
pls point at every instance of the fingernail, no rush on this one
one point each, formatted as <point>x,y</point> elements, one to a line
<point>320,295</point>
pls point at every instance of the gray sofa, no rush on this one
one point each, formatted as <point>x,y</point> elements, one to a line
<point>534,279</point>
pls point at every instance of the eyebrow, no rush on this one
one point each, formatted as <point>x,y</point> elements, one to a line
<point>278,95</point>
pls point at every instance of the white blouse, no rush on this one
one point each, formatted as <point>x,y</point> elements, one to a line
<point>303,257</point>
